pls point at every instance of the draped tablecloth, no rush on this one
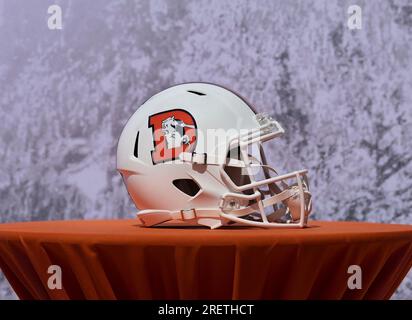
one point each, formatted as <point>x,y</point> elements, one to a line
<point>118,259</point>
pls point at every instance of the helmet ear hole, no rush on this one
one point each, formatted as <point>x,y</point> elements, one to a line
<point>187,186</point>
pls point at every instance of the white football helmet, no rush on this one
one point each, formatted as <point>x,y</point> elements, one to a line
<point>193,155</point>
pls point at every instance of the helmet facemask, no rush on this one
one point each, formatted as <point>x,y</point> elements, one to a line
<point>272,200</point>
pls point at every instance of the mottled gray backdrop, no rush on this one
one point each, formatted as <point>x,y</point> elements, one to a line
<point>344,97</point>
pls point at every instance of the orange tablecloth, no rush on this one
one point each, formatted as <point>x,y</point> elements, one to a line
<point>118,259</point>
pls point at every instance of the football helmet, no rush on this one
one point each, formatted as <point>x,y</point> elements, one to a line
<point>193,155</point>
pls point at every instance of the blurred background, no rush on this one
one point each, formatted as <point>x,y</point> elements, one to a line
<point>344,97</point>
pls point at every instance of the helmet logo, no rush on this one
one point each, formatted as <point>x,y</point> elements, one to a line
<point>174,131</point>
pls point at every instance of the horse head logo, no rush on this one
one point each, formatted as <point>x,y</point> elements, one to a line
<point>174,131</point>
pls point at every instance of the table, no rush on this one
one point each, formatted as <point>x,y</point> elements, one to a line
<point>119,259</point>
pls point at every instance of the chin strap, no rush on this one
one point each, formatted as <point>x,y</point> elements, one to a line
<point>212,218</point>
<point>206,217</point>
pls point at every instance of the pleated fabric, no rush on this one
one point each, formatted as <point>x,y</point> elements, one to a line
<point>119,259</point>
